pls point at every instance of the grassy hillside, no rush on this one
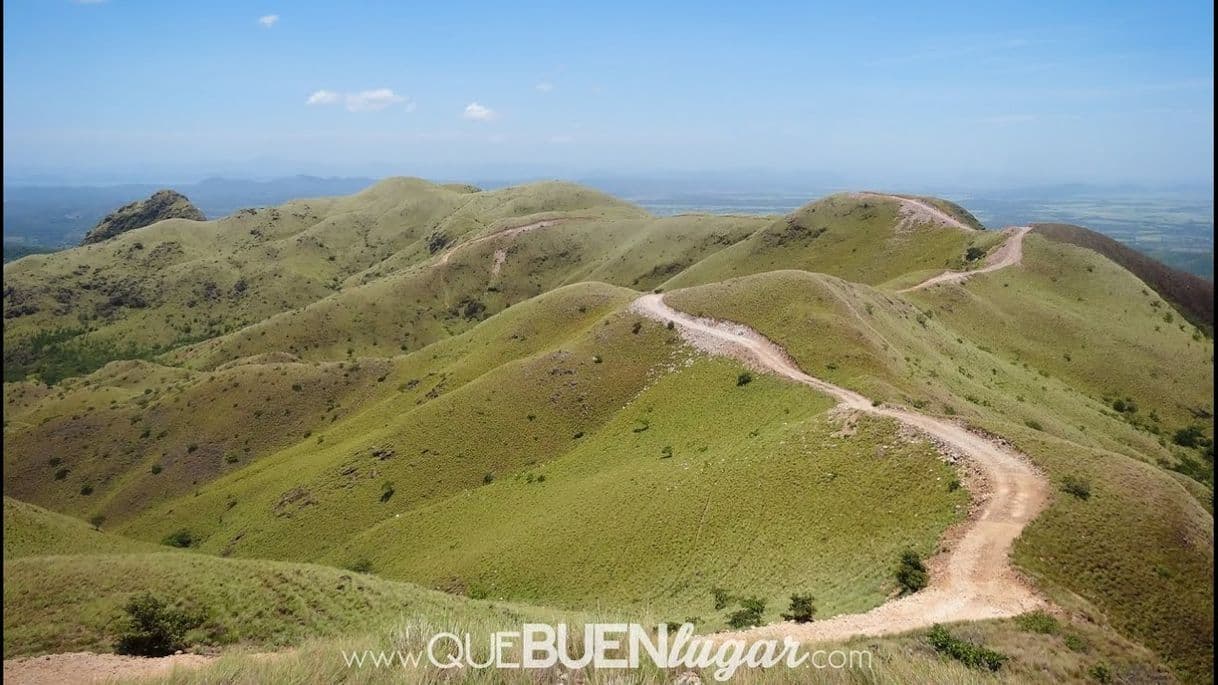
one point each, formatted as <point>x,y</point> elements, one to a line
<point>31,531</point>
<point>137,433</point>
<point>408,380</point>
<point>74,603</point>
<point>864,239</point>
<point>553,438</point>
<point>181,281</point>
<point>407,309</point>
<point>1192,295</point>
<point>1068,313</point>
<point>1014,354</point>
<point>696,484</point>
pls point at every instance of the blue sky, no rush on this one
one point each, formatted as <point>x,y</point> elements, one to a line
<point>889,93</point>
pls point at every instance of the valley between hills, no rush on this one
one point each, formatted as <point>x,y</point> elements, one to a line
<point>355,420</point>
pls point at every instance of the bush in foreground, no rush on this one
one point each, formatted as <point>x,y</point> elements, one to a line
<point>748,615</point>
<point>967,653</point>
<point>911,572</point>
<point>154,628</point>
<point>802,610</point>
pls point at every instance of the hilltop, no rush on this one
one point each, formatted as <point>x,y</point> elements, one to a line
<point>161,205</point>
<point>460,390</point>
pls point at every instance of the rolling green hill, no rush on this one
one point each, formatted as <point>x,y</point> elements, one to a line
<point>449,387</point>
<point>31,531</point>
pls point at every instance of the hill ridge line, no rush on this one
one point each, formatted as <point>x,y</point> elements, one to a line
<point>973,579</point>
<point>913,209</point>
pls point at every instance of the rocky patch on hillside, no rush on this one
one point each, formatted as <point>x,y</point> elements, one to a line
<point>161,205</point>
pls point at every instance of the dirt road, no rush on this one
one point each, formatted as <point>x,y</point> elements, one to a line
<point>86,667</point>
<point>1010,254</point>
<point>915,212</point>
<point>973,578</point>
<point>505,233</point>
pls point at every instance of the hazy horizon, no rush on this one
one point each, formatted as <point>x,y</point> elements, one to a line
<point>891,96</point>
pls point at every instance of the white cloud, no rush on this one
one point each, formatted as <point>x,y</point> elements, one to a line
<point>477,112</point>
<point>544,87</point>
<point>269,20</point>
<point>364,101</point>
<point>372,100</point>
<point>411,106</point>
<point>323,97</point>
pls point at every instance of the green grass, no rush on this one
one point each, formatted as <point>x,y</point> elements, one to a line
<point>991,352</point>
<point>33,531</point>
<point>759,496</point>
<point>305,384</point>
<point>1146,557</point>
<point>74,603</point>
<point>330,504</point>
<point>855,239</point>
<point>412,305</point>
<point>1044,314</point>
<point>113,427</point>
<point>181,281</point>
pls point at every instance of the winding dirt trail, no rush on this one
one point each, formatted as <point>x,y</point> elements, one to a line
<point>505,233</point>
<point>915,211</point>
<point>972,579</point>
<point>1009,254</point>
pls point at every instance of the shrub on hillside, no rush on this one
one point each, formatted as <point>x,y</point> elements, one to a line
<point>1100,673</point>
<point>748,615</point>
<point>1038,622</point>
<point>722,598</point>
<point>1189,437</point>
<point>973,254</point>
<point>802,610</point>
<point>967,653</point>
<point>911,572</point>
<point>1074,643</point>
<point>744,378</point>
<point>154,628</point>
<point>1079,487</point>
<point>179,538</point>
